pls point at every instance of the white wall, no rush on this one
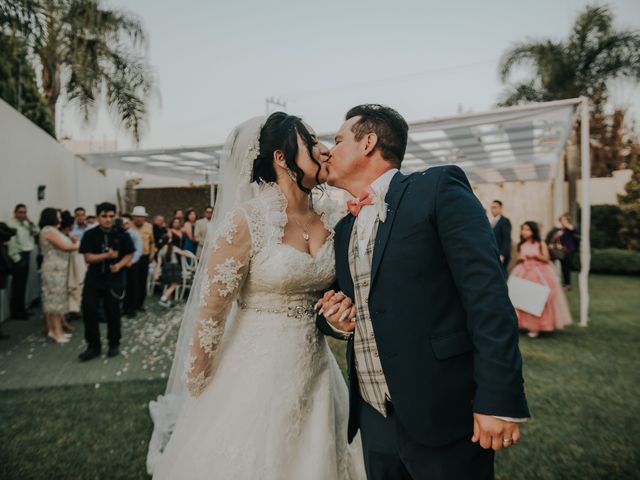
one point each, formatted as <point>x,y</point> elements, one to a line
<point>521,202</point>
<point>534,200</point>
<point>30,157</point>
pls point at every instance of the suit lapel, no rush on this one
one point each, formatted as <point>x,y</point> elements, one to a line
<point>396,190</point>
<point>342,250</point>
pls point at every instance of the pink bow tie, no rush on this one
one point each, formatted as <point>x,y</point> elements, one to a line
<point>354,206</point>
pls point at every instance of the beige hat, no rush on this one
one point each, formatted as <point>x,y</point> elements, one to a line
<point>139,212</point>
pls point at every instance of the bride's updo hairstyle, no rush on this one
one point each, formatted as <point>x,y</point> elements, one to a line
<point>280,132</point>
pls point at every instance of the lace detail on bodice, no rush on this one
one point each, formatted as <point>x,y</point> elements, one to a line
<point>249,262</point>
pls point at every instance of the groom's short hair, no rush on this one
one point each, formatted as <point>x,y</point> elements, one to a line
<point>391,129</point>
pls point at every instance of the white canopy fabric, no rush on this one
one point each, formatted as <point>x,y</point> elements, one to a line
<point>197,164</point>
<point>505,145</point>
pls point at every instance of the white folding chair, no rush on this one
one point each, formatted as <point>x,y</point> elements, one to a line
<point>152,283</point>
<point>189,266</point>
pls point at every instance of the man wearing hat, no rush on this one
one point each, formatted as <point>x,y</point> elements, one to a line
<point>145,229</point>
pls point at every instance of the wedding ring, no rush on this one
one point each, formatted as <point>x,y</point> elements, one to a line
<point>507,441</point>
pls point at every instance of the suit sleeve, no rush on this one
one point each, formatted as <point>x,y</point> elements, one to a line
<point>472,254</point>
<point>505,248</point>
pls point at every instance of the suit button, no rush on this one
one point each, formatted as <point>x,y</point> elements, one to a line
<point>365,283</point>
<point>375,354</point>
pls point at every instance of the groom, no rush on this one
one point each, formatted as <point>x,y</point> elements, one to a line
<point>435,373</point>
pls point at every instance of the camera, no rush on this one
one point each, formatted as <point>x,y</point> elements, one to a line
<point>114,239</point>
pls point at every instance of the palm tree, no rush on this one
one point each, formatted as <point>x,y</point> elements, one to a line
<point>594,54</point>
<point>93,53</point>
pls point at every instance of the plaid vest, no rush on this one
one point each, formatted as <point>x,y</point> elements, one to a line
<point>373,385</point>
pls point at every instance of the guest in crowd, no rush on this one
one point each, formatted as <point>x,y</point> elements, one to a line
<point>132,294</point>
<point>178,213</point>
<point>6,264</point>
<point>20,247</point>
<point>66,227</point>
<point>564,244</point>
<point>189,242</point>
<point>80,224</point>
<point>55,247</point>
<point>534,265</point>
<point>175,232</point>
<point>502,231</point>
<point>108,252</point>
<point>145,230</point>
<point>201,229</point>
<point>77,265</point>
<point>92,220</point>
<point>66,223</point>
<point>169,271</point>
<point>159,231</point>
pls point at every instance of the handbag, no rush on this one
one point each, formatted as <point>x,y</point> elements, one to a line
<point>557,253</point>
<point>528,296</point>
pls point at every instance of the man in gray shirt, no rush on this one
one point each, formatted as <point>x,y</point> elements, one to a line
<point>20,247</point>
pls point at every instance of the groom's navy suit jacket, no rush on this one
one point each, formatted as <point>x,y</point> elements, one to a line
<point>445,329</point>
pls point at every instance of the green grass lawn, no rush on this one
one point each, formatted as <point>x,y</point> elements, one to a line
<point>581,385</point>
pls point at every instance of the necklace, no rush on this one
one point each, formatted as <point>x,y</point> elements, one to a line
<point>305,229</point>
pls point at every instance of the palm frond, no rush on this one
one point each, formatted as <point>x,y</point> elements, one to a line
<point>594,23</point>
<point>542,56</point>
<point>525,92</point>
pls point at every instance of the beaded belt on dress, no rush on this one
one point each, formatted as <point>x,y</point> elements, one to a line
<point>295,311</point>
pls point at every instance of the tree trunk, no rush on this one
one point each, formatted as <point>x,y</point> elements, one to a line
<point>51,87</point>
<point>51,67</point>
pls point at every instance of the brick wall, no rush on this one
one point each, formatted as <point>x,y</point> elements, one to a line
<point>163,201</point>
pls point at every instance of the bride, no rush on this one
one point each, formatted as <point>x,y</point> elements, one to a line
<point>254,391</point>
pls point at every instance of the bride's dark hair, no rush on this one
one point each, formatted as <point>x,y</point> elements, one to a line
<point>280,132</point>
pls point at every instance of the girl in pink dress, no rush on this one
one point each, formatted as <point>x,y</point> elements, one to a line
<point>534,265</point>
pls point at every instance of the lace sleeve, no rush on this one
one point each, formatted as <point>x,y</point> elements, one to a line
<point>225,271</point>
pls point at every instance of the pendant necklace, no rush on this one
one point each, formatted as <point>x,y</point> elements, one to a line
<point>305,230</point>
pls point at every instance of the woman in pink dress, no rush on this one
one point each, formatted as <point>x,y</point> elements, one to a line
<point>535,265</point>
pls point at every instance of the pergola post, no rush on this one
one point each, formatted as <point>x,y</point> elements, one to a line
<point>585,221</point>
<point>558,192</point>
<point>558,203</point>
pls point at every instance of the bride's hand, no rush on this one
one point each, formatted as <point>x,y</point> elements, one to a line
<point>339,310</point>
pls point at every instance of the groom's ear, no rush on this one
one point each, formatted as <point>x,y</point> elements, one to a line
<point>371,140</point>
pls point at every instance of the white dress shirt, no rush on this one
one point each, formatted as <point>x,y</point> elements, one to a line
<point>366,219</point>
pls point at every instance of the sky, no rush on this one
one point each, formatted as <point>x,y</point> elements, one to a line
<point>216,62</point>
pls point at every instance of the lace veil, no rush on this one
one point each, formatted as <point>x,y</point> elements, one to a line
<point>234,187</point>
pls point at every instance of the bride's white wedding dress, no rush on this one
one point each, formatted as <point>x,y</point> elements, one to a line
<point>268,399</point>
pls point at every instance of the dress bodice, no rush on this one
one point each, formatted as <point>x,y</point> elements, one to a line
<point>531,249</point>
<point>280,273</point>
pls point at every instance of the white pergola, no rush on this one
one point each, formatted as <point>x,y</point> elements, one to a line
<point>514,144</point>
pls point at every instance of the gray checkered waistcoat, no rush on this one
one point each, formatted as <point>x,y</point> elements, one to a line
<point>373,385</point>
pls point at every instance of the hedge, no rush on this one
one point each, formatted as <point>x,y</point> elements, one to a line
<point>612,260</point>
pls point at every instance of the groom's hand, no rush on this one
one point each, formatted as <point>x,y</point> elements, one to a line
<point>494,433</point>
<point>339,311</point>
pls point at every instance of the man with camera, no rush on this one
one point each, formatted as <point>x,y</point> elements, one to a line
<point>107,250</point>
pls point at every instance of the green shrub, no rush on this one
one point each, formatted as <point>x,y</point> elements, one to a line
<point>612,261</point>
<point>605,227</point>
